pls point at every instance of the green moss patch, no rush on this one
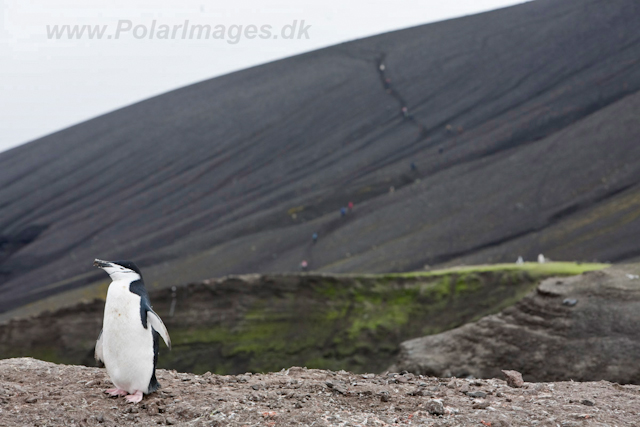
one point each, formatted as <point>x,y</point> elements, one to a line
<point>354,323</point>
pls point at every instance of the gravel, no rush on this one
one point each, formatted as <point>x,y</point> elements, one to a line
<point>39,393</point>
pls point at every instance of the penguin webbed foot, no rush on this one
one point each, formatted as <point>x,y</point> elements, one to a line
<point>116,392</point>
<point>134,398</point>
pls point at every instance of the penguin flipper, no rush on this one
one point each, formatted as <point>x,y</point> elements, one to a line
<point>98,352</point>
<point>158,325</point>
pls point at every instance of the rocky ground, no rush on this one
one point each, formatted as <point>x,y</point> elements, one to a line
<point>39,393</point>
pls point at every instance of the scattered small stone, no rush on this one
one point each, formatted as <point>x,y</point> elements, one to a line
<point>297,405</point>
<point>480,394</point>
<point>540,387</point>
<point>100,418</point>
<point>255,387</point>
<point>32,399</point>
<point>514,379</point>
<point>584,416</point>
<point>170,421</point>
<point>434,407</point>
<point>152,410</point>
<point>481,404</point>
<point>384,396</point>
<point>569,302</point>
<point>587,402</point>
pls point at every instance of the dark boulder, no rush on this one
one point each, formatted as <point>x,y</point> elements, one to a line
<point>544,338</point>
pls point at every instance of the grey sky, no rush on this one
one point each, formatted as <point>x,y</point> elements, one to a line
<point>49,84</point>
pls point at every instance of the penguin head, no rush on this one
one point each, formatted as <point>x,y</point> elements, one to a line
<point>119,270</point>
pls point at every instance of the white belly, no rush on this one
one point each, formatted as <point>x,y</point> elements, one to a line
<point>126,345</point>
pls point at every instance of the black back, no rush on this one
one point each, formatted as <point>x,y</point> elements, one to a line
<point>153,383</point>
<point>139,289</point>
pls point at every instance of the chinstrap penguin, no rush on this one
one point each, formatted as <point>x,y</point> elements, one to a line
<point>128,343</point>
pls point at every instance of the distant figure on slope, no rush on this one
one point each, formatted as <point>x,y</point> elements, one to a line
<point>343,211</point>
<point>350,206</point>
<point>304,265</point>
<point>541,259</point>
<point>314,237</point>
<point>413,167</point>
<point>520,261</point>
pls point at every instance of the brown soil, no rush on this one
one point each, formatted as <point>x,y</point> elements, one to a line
<point>39,393</point>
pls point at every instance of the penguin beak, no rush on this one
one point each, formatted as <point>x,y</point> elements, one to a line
<point>100,263</point>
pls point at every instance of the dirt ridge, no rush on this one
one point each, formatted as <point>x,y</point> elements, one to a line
<point>581,328</point>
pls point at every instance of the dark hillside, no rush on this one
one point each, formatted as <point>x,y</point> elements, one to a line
<point>522,125</point>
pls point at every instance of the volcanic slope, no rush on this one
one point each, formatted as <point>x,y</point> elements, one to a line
<point>521,125</point>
